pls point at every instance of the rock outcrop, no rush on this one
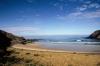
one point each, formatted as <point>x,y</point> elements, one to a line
<point>14,39</point>
<point>95,35</point>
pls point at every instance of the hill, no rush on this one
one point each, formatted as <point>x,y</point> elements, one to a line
<point>14,39</point>
<point>95,35</point>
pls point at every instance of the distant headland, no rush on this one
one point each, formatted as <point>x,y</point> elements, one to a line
<point>95,35</point>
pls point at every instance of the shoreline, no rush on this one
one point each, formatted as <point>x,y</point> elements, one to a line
<point>37,47</point>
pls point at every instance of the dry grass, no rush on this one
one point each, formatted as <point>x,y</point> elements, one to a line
<point>43,58</point>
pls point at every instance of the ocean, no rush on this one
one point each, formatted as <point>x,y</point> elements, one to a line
<point>77,43</point>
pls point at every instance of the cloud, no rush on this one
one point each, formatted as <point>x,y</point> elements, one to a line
<point>86,14</point>
<point>88,5</point>
<point>95,5</point>
<point>82,8</point>
<point>21,30</point>
<point>92,14</point>
<point>81,15</point>
<point>84,11</point>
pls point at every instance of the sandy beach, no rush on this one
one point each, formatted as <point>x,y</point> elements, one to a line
<point>35,54</point>
<point>38,47</point>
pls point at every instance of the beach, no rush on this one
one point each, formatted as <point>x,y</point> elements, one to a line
<point>47,57</point>
<point>38,47</point>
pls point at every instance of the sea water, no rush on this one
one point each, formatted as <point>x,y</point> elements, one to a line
<point>77,43</point>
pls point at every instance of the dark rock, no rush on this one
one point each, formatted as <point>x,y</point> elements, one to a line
<point>95,35</point>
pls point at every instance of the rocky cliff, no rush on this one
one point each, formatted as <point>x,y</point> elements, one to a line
<point>95,35</point>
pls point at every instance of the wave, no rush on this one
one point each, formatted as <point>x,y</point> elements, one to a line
<point>75,42</point>
<point>71,43</point>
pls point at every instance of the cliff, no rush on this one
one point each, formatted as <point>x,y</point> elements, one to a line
<point>95,35</point>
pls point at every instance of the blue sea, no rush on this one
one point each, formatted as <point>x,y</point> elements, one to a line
<point>77,43</point>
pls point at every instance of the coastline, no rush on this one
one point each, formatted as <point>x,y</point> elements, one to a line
<point>37,47</point>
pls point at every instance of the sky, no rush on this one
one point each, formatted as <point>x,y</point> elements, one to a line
<point>50,17</point>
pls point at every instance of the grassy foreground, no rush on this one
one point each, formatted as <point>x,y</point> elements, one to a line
<point>46,58</point>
